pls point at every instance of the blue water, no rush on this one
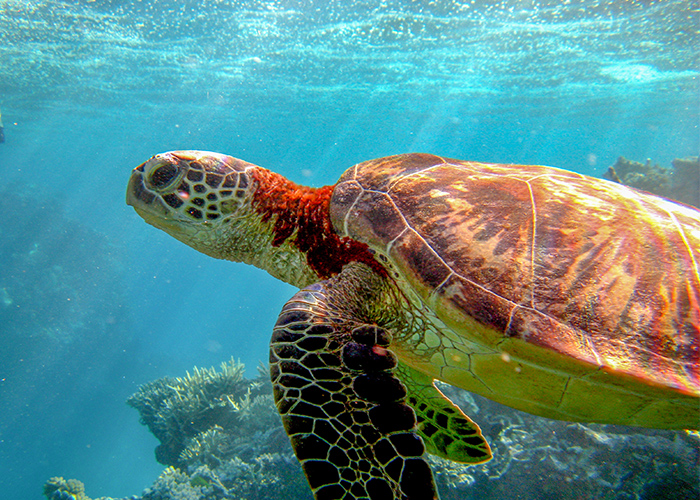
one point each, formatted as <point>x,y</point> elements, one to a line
<point>93,302</point>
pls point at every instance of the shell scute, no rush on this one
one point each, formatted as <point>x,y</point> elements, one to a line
<point>452,208</point>
<point>375,215</point>
<point>384,172</point>
<point>411,250</point>
<point>464,302</point>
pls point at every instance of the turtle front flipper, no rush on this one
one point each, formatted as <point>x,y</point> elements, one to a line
<point>446,431</point>
<point>342,405</point>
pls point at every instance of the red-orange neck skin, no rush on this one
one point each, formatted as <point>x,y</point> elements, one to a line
<point>301,216</point>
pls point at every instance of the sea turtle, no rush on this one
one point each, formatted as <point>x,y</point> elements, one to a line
<point>555,293</point>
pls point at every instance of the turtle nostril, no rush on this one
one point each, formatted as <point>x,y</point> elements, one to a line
<point>163,175</point>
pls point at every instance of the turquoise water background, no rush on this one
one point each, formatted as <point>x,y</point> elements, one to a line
<point>93,302</point>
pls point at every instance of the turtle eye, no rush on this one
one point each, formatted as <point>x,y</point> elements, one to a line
<point>163,175</point>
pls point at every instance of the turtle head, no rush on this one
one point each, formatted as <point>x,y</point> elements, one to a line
<point>233,210</point>
<point>195,196</point>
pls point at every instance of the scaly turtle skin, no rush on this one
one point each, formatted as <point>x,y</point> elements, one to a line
<point>555,293</point>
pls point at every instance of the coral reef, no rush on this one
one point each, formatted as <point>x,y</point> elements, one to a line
<point>58,488</point>
<point>644,176</point>
<point>173,484</point>
<point>222,435</point>
<point>264,477</point>
<point>682,182</point>
<point>206,415</point>
<point>239,450</point>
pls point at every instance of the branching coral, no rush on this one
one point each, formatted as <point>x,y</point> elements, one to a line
<point>176,485</point>
<point>199,412</point>
<point>58,488</point>
<point>210,447</point>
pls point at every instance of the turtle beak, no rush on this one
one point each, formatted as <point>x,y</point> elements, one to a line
<point>136,192</point>
<point>146,203</point>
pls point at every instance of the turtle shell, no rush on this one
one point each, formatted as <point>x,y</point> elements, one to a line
<point>550,291</point>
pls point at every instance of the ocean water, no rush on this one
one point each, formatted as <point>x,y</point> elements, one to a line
<point>94,303</point>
